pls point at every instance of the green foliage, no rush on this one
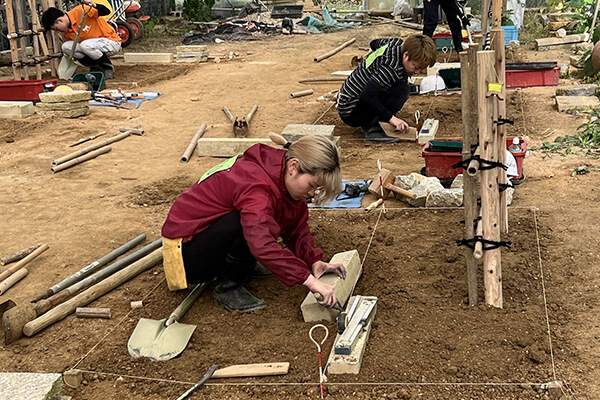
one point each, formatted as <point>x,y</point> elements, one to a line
<point>581,170</point>
<point>589,133</point>
<point>198,10</point>
<point>149,24</point>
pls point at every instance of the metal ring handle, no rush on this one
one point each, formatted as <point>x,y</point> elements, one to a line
<point>310,334</point>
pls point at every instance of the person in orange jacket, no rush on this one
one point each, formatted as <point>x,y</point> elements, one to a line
<point>97,41</point>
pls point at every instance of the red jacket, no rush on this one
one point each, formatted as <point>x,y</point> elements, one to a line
<point>255,186</point>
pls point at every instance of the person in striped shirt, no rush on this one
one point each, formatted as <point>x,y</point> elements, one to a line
<point>378,88</point>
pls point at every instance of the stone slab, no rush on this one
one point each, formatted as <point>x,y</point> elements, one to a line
<point>350,364</point>
<point>576,61</point>
<point>192,48</point>
<point>16,109</point>
<point>66,106</point>
<point>229,147</point>
<point>148,58</point>
<point>64,96</point>
<point>293,132</point>
<point>577,90</point>
<point>312,310</point>
<point>576,103</point>
<point>78,112</point>
<point>29,386</point>
<point>192,54</point>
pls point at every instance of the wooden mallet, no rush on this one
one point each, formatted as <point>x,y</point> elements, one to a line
<point>387,178</point>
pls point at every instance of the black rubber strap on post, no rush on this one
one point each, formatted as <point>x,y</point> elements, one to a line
<point>487,244</point>
<point>502,121</point>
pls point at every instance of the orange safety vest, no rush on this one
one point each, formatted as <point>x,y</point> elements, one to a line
<point>93,27</point>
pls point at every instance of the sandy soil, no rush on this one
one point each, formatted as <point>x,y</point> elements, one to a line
<point>426,341</point>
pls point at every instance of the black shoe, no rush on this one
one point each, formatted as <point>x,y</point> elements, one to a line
<point>260,272</point>
<point>106,67</point>
<point>87,61</point>
<point>376,134</point>
<point>232,296</point>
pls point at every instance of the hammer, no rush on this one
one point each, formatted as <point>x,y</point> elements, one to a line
<point>387,178</point>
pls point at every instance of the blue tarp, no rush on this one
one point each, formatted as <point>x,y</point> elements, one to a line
<point>314,25</point>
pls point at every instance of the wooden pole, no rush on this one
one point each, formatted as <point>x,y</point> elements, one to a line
<point>492,276</point>
<point>192,145</point>
<point>334,51</point>
<point>496,14</point>
<point>485,17</point>
<point>11,280</point>
<point>92,312</point>
<point>92,293</point>
<point>35,38</point>
<point>469,120</point>
<point>18,255</point>
<point>83,158</point>
<point>20,26</point>
<point>499,64</point>
<point>17,266</point>
<point>14,45</point>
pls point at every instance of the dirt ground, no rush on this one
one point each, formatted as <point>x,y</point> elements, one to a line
<point>426,341</point>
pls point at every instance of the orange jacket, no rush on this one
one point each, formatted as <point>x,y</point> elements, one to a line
<point>93,26</point>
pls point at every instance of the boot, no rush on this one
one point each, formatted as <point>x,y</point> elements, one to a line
<point>376,134</point>
<point>233,296</point>
<point>107,67</point>
<point>260,272</point>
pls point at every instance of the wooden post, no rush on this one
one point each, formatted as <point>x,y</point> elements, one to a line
<point>35,38</point>
<point>468,79</point>
<point>496,14</point>
<point>14,46</point>
<point>20,26</point>
<point>499,47</point>
<point>485,17</point>
<point>492,277</point>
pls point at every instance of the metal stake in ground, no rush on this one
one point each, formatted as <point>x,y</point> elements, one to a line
<point>322,377</point>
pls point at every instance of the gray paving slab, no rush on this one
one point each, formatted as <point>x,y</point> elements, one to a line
<point>29,386</point>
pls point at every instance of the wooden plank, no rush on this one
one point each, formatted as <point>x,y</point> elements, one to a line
<point>546,42</point>
<point>16,109</point>
<point>247,370</point>
<point>148,58</point>
<point>312,310</point>
<point>350,364</point>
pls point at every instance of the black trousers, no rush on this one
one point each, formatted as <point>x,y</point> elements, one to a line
<point>220,251</point>
<point>364,116</point>
<point>430,19</point>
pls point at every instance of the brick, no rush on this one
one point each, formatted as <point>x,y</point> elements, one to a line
<point>293,132</point>
<point>16,109</point>
<point>576,103</point>
<point>62,97</point>
<point>312,310</point>
<point>350,364</point>
<point>148,58</point>
<point>66,106</point>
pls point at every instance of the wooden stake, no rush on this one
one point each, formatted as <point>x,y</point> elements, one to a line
<point>11,280</point>
<point>334,51</point>
<point>18,255</point>
<point>92,312</point>
<point>20,26</point>
<point>469,117</point>
<point>14,46</point>
<point>498,46</point>
<point>492,276</point>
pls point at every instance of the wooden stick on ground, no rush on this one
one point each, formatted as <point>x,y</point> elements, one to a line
<point>192,145</point>
<point>334,51</point>
<point>14,268</point>
<point>18,255</point>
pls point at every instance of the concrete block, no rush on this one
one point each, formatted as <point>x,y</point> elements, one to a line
<point>293,132</point>
<point>141,58</point>
<point>576,61</point>
<point>16,109</point>
<point>229,147</point>
<point>193,48</point>
<point>577,90</point>
<point>65,97</point>
<point>78,112</point>
<point>66,106</point>
<point>29,386</point>
<point>312,310</point>
<point>350,364</point>
<point>576,103</point>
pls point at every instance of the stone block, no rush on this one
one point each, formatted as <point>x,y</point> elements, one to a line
<point>565,69</point>
<point>66,106</point>
<point>78,112</point>
<point>350,364</point>
<point>229,147</point>
<point>192,48</point>
<point>576,103</point>
<point>458,182</point>
<point>577,90</point>
<point>141,58</point>
<point>406,182</point>
<point>16,109</point>
<point>422,190</point>
<point>293,132</point>
<point>29,386</point>
<point>65,97</point>
<point>576,61</point>
<point>312,310</point>
<point>445,198</point>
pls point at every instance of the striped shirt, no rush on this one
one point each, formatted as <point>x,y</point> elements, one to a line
<point>384,67</point>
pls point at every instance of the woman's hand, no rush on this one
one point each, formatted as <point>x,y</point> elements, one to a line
<point>399,124</point>
<point>326,293</point>
<point>320,267</point>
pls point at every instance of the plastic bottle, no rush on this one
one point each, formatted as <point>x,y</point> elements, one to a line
<point>515,147</point>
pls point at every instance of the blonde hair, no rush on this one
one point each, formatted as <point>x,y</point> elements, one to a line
<point>318,156</point>
<point>420,48</point>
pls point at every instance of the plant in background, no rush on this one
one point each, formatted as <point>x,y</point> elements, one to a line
<point>198,10</point>
<point>589,133</point>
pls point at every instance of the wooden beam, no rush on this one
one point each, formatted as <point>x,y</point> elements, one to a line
<point>468,79</point>
<point>555,41</point>
<point>492,275</point>
<point>312,310</point>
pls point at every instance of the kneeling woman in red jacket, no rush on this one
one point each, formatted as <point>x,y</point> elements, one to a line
<point>233,216</point>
